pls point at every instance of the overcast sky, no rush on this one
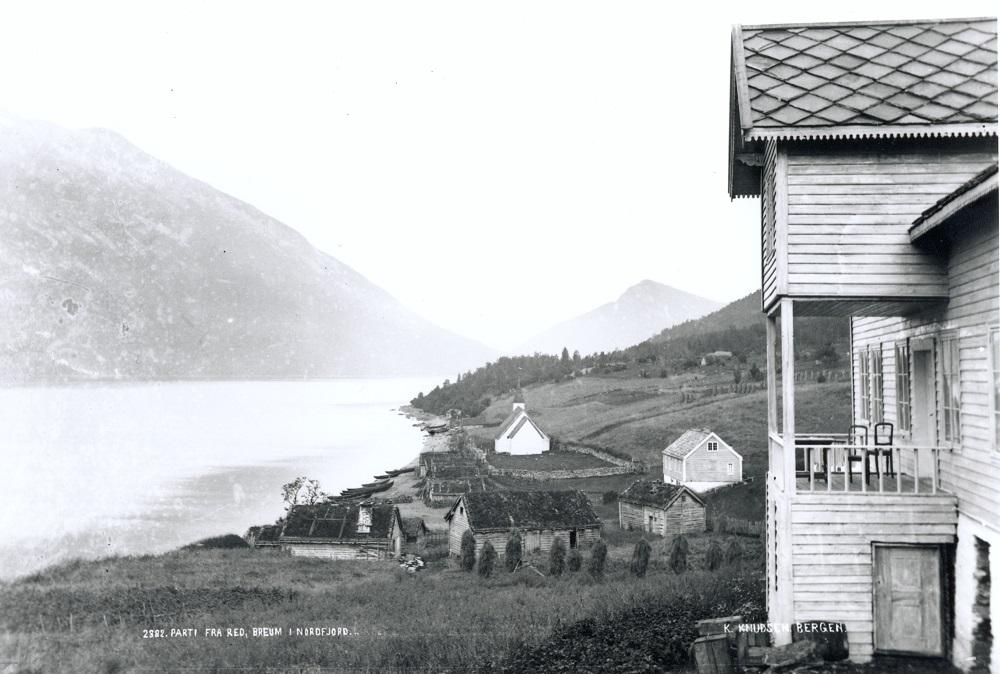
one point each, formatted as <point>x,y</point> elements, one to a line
<point>497,167</point>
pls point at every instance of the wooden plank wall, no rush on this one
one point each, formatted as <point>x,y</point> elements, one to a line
<point>685,515</point>
<point>970,471</point>
<point>849,215</point>
<point>832,536</point>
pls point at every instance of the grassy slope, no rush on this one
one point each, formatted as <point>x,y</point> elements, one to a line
<point>437,620</point>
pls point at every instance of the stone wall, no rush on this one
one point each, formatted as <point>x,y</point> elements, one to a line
<point>559,474</point>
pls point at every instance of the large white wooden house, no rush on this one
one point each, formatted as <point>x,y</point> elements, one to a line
<point>700,460</point>
<point>873,148</point>
<point>519,434</point>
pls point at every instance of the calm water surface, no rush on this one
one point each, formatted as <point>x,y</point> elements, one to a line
<point>88,471</point>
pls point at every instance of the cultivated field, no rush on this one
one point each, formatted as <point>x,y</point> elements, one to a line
<point>92,616</point>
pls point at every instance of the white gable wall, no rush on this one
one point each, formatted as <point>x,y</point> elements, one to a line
<point>526,441</point>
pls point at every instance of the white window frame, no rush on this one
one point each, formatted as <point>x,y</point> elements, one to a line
<point>904,391</point>
<point>876,369</point>
<point>864,384</point>
<point>730,468</point>
<point>713,446</point>
<point>950,380</point>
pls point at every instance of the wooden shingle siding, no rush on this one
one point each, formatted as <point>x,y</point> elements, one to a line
<point>832,538</point>
<point>849,215</point>
<point>971,471</point>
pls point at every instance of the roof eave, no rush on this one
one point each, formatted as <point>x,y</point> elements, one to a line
<point>937,219</point>
<point>862,131</point>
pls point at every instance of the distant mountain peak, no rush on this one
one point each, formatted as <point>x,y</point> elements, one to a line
<point>642,311</point>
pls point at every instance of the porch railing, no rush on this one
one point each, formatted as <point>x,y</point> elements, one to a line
<point>831,463</point>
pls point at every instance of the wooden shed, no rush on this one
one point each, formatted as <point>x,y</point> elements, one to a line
<point>359,530</point>
<point>659,508</point>
<point>701,460</point>
<point>539,516</point>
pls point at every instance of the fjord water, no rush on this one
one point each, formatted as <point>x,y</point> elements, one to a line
<point>93,470</point>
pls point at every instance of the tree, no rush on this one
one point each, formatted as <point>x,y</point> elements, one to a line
<point>737,375</point>
<point>640,558</point>
<point>303,491</point>
<point>557,557</point>
<point>512,553</point>
<point>734,553</point>
<point>713,558</point>
<point>487,560</point>
<point>575,560</point>
<point>564,358</point>
<point>679,554</point>
<point>576,359</point>
<point>468,557</point>
<point>755,373</point>
<point>598,557</point>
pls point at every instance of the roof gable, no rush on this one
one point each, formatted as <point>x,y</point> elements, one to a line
<point>978,187</point>
<point>508,422</point>
<point>656,493</point>
<point>691,440</point>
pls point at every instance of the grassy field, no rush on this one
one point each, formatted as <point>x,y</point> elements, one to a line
<point>640,417</point>
<point>91,616</point>
<point>553,460</point>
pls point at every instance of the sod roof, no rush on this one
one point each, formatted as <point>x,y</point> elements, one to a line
<point>493,510</point>
<point>337,521</point>
<point>656,493</point>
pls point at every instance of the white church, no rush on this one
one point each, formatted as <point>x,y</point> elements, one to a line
<point>518,434</point>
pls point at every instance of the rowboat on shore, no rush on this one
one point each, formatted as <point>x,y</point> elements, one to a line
<point>400,471</point>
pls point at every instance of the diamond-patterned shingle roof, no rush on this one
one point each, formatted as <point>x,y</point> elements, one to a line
<point>836,75</point>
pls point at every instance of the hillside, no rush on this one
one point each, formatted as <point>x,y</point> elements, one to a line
<point>738,327</point>
<point>117,266</point>
<point>642,311</point>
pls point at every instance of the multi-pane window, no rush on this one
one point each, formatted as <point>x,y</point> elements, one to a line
<point>877,412</point>
<point>951,393</point>
<point>730,469</point>
<point>995,383</point>
<point>904,408</point>
<point>713,446</point>
<point>864,382</point>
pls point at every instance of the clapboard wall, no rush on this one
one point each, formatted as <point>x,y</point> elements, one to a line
<point>970,470</point>
<point>832,536</point>
<point>842,217</point>
<point>685,515</point>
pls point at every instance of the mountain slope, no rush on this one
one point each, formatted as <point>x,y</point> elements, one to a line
<point>115,265</point>
<point>742,313</point>
<point>642,311</point>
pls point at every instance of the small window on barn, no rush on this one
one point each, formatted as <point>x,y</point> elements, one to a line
<point>713,446</point>
<point>730,469</point>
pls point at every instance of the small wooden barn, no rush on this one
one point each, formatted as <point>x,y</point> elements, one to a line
<point>539,516</point>
<point>701,460</point>
<point>659,508</point>
<point>358,530</point>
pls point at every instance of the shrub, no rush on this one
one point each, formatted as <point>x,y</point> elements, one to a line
<point>821,379</point>
<point>679,554</point>
<point>487,560</point>
<point>713,558</point>
<point>513,551</point>
<point>609,497</point>
<point>640,558</point>
<point>598,558</point>
<point>557,557</point>
<point>468,558</point>
<point>734,553</point>
<point>575,560</point>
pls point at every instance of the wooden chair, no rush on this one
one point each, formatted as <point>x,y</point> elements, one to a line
<point>856,432</point>
<point>883,446</point>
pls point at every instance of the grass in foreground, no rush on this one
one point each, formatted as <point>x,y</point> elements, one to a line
<point>91,616</point>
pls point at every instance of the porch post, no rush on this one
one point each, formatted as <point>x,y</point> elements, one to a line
<point>788,391</point>
<point>774,460</point>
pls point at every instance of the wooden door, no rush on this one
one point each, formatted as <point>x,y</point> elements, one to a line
<point>908,605</point>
